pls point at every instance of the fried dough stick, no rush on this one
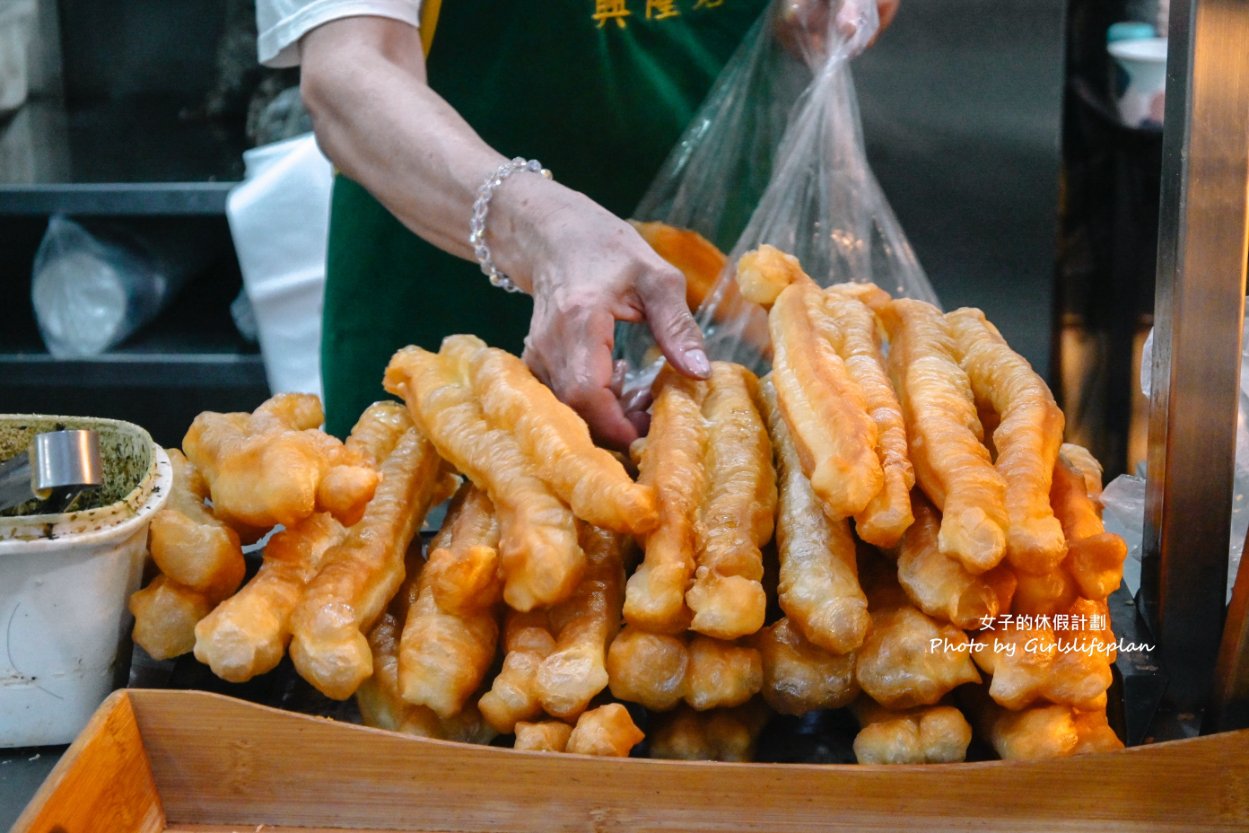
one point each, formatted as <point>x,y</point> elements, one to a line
<point>443,656</point>
<point>721,674</point>
<point>557,442</point>
<point>940,585</point>
<point>540,559</point>
<point>647,668</point>
<point>924,735</point>
<point>909,659</point>
<point>738,509</point>
<point>543,736</point>
<point>1026,439</point>
<point>715,735</point>
<point>1069,667</point>
<point>194,546</point>
<point>463,566</point>
<point>799,677</point>
<point>702,264</point>
<point>1095,557</point>
<point>888,513</point>
<point>247,634</point>
<point>360,575</point>
<point>672,462</point>
<point>165,613</point>
<point>951,462</point>
<point>271,467</point>
<point>818,586</point>
<point>382,706</point>
<point>825,409</point>
<point>765,272</point>
<point>584,625</point>
<point>658,670</point>
<point>190,545</point>
<point>607,730</point>
<point>513,695</point>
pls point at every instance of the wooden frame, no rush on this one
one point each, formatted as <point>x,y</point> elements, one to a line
<point>193,761</point>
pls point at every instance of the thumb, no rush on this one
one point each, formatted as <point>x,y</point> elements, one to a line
<point>670,321</point>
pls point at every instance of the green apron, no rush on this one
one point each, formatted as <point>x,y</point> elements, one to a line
<point>597,90</point>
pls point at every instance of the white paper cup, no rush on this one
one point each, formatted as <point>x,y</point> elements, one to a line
<point>1144,62</point>
<point>64,583</point>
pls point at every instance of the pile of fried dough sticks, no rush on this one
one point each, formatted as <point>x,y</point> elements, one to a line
<point>888,522</point>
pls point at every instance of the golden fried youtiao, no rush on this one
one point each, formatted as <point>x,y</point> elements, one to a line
<point>765,272</point>
<point>513,694</point>
<point>543,736</point>
<point>382,707</point>
<point>924,735</point>
<point>165,613</point>
<point>1026,438</point>
<point>1094,732</point>
<point>463,565</point>
<point>909,658</point>
<point>952,464</point>
<point>799,677</point>
<point>584,625</point>
<point>443,656</point>
<point>189,544</point>
<point>738,509</point>
<point>818,585</point>
<point>940,585</point>
<point>714,735</point>
<point>1031,734</point>
<point>721,674</point>
<point>1094,556</point>
<point>888,513</point>
<point>695,256</point>
<point>1069,666</point>
<point>557,441</point>
<point>247,634</point>
<point>647,668</point>
<point>359,576</point>
<point>607,730</point>
<point>538,551</point>
<point>672,461</point>
<point>825,409</point>
<point>262,469</point>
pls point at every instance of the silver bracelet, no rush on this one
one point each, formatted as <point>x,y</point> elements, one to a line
<point>477,225</point>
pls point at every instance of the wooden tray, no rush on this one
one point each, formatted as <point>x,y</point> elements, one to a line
<point>192,761</point>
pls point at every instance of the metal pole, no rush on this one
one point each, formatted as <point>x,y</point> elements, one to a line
<point>1199,309</point>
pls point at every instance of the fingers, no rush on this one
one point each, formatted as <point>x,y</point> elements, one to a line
<point>676,333</point>
<point>571,352</point>
<point>886,9</point>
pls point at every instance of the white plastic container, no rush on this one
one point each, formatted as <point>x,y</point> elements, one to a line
<point>64,583</point>
<point>1144,61</point>
<point>16,23</point>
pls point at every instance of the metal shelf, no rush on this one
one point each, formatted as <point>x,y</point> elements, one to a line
<point>138,369</point>
<point>134,155</point>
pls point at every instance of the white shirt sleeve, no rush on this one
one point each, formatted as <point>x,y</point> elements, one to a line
<point>281,23</point>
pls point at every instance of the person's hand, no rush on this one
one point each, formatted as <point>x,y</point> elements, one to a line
<point>587,269</point>
<point>803,25</point>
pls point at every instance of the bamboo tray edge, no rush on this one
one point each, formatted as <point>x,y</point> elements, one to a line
<point>156,760</point>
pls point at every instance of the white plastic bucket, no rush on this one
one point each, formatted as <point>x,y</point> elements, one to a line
<point>64,583</point>
<point>1144,62</point>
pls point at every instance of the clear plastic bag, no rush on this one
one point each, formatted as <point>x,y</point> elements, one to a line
<point>90,293</point>
<point>821,202</point>
<point>1123,500</point>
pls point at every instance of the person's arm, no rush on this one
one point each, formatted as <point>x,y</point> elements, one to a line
<point>379,122</point>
